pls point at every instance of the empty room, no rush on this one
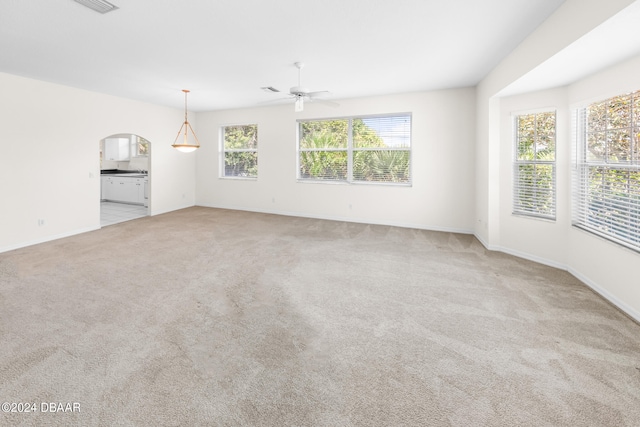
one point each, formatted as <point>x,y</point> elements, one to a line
<point>320,213</point>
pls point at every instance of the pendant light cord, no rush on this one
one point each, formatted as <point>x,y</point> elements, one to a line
<point>185,107</point>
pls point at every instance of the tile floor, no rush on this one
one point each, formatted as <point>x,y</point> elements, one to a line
<point>113,213</point>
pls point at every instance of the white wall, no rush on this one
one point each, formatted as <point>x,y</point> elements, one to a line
<point>522,234</point>
<point>49,158</point>
<point>610,269</point>
<point>572,20</point>
<point>462,153</point>
<point>440,198</point>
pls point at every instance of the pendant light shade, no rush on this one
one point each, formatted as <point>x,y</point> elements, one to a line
<point>183,142</point>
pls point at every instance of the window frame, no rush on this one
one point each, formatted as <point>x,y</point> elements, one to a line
<point>585,216</point>
<point>350,150</point>
<point>517,208</point>
<point>138,150</point>
<point>224,151</point>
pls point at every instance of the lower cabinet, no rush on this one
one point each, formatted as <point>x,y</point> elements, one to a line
<point>108,189</point>
<point>123,189</point>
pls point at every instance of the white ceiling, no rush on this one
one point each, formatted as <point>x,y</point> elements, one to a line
<point>613,41</point>
<point>224,51</point>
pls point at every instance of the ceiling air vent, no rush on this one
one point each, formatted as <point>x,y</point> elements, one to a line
<point>100,6</point>
<point>269,89</point>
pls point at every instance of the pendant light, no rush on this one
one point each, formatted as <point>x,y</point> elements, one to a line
<point>186,146</point>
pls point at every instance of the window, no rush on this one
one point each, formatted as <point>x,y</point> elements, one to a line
<point>358,149</point>
<point>141,148</point>
<point>240,151</point>
<point>607,172</point>
<point>534,183</point>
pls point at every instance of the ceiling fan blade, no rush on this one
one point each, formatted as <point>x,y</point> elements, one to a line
<point>299,94</point>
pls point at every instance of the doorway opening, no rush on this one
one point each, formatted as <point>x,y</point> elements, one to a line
<point>124,178</point>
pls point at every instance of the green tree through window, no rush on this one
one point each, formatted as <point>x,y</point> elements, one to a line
<point>359,149</point>
<point>240,149</point>
<point>608,173</point>
<point>535,165</point>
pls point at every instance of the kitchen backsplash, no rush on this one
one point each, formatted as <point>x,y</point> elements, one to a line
<point>136,163</point>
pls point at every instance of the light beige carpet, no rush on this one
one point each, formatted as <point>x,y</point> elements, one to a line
<point>225,318</point>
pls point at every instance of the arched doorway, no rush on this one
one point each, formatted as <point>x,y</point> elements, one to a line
<point>124,178</point>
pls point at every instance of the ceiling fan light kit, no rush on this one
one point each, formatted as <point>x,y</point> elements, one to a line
<point>299,93</point>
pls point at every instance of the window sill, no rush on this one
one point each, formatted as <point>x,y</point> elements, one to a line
<point>239,178</point>
<point>533,216</point>
<point>337,182</point>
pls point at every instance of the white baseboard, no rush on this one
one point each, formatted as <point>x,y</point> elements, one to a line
<point>483,242</point>
<point>587,281</point>
<point>629,311</point>
<point>48,239</point>
<point>625,308</point>
<point>534,258</point>
<point>345,219</point>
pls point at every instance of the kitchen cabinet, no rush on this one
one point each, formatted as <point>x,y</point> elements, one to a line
<point>105,188</point>
<point>118,149</point>
<point>127,191</point>
<point>124,189</point>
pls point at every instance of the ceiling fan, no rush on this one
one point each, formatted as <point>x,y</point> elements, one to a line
<point>300,93</point>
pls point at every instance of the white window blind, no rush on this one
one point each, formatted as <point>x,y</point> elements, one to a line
<point>239,151</point>
<point>534,170</point>
<point>373,149</point>
<point>607,169</point>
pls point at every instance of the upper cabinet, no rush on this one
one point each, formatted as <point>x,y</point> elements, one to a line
<point>123,147</point>
<point>117,149</point>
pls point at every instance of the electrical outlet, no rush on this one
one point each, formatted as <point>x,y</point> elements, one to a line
<point>40,222</point>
